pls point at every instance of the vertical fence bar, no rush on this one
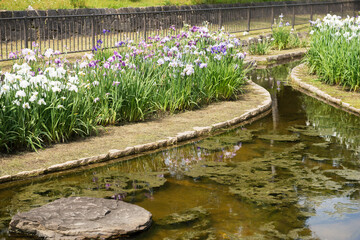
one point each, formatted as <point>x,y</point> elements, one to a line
<point>11,38</point>
<point>272,16</point>
<point>2,36</point>
<point>311,12</point>
<point>62,37</point>
<point>6,40</point>
<point>46,24</point>
<point>293,17</point>
<point>26,32</point>
<point>93,32</point>
<point>53,34</point>
<point>144,17</point>
<point>220,19</point>
<point>342,10</point>
<point>248,18</point>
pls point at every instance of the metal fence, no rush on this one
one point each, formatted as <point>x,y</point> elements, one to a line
<point>80,33</point>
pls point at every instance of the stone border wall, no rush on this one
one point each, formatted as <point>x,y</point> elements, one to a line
<point>294,76</point>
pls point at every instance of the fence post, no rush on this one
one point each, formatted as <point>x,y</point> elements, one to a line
<point>248,20</point>
<point>26,32</point>
<point>272,17</point>
<point>144,26</point>
<point>93,32</point>
<point>341,10</point>
<point>311,12</point>
<point>220,19</point>
<point>293,18</point>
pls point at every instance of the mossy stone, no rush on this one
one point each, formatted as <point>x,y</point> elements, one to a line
<point>280,138</point>
<point>187,216</point>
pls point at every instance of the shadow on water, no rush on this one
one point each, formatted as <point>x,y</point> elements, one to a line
<point>292,175</point>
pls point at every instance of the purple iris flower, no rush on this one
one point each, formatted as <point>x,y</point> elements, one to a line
<point>12,55</point>
<point>119,44</point>
<point>194,29</point>
<point>192,42</point>
<point>106,65</point>
<point>92,64</point>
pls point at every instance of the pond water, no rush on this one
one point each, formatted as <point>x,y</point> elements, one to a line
<point>291,175</point>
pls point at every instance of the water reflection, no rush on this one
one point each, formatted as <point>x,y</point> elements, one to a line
<point>251,186</point>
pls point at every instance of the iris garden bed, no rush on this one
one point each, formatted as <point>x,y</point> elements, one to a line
<point>334,53</point>
<point>46,99</point>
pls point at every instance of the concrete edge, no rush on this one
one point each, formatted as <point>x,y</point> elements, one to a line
<point>294,76</point>
<point>169,141</point>
<point>273,60</point>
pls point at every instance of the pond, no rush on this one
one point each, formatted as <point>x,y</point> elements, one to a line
<point>291,175</point>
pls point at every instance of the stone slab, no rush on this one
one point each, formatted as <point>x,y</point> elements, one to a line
<point>82,218</point>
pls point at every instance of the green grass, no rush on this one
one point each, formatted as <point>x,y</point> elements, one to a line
<point>69,4</point>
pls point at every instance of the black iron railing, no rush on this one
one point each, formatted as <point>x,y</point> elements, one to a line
<point>79,33</point>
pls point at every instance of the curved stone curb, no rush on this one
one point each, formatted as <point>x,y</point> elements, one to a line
<point>169,141</point>
<point>269,60</point>
<point>294,76</point>
<point>281,57</point>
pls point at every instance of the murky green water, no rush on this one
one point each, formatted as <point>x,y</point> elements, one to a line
<point>292,175</point>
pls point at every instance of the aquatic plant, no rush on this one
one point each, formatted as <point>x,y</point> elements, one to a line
<point>334,53</point>
<point>46,99</point>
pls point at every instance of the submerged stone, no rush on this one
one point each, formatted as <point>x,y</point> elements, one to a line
<point>195,235</point>
<point>82,218</point>
<point>304,130</point>
<point>224,140</point>
<point>322,145</point>
<point>212,144</point>
<point>135,182</point>
<point>314,157</point>
<point>187,216</point>
<point>348,174</point>
<point>280,138</point>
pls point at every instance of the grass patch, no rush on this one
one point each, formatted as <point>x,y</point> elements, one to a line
<point>347,96</point>
<point>70,4</point>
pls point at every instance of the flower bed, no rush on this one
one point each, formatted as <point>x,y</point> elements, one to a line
<point>46,99</point>
<point>334,53</point>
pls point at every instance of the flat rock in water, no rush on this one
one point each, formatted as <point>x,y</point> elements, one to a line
<point>82,218</point>
<point>280,138</point>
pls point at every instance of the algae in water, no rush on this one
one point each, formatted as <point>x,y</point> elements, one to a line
<point>187,216</point>
<point>280,138</point>
<point>225,140</point>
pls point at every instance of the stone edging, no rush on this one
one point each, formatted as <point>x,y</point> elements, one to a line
<point>274,59</point>
<point>169,141</point>
<point>294,76</point>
